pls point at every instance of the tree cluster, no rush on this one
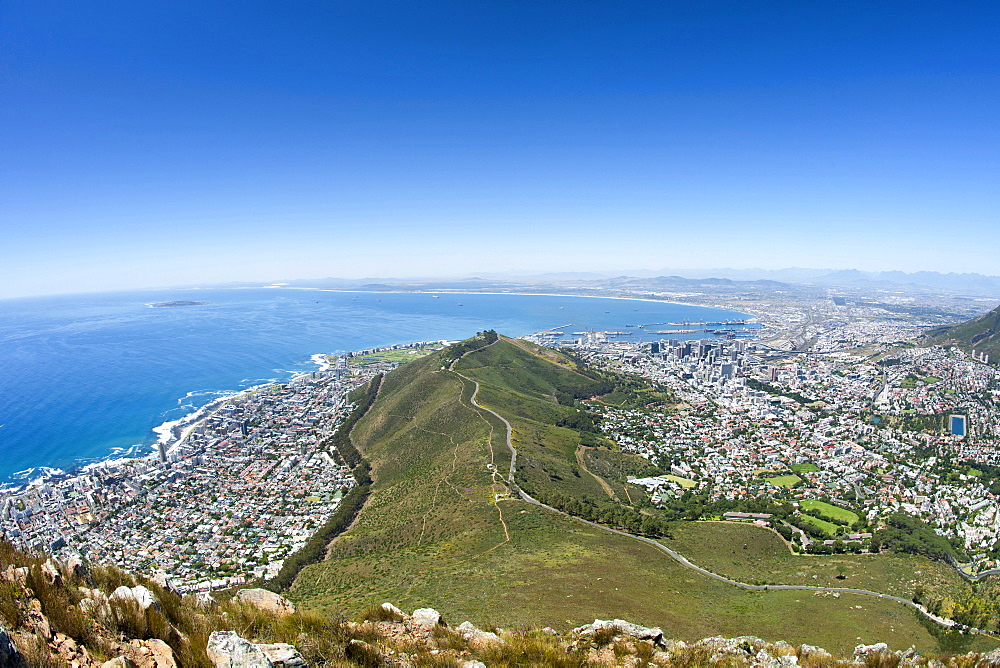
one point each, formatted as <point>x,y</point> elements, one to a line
<point>601,511</point>
<point>905,533</point>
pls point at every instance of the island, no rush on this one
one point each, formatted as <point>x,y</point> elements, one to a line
<point>175,304</point>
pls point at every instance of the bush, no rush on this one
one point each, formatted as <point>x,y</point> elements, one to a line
<point>376,613</point>
<point>10,612</point>
<point>58,601</point>
<point>532,650</point>
<point>604,636</point>
<point>362,654</point>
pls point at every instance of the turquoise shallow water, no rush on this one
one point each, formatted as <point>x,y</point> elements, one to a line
<point>85,377</point>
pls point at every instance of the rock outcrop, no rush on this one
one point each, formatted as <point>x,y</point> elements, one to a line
<point>10,655</point>
<point>472,634</point>
<point>428,618</point>
<point>154,653</point>
<point>141,595</point>
<point>266,600</point>
<point>654,635</point>
<point>226,649</point>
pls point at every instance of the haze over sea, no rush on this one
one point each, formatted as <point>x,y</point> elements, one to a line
<point>87,377</point>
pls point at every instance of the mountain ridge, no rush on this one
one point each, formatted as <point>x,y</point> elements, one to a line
<point>442,519</point>
<point>979,336</point>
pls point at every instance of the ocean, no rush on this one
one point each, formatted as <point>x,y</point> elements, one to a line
<point>87,377</point>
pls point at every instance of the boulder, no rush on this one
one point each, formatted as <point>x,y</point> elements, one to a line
<point>812,652</point>
<point>37,620</point>
<point>282,655</point>
<point>51,572</point>
<point>138,593</point>
<point>119,662</point>
<point>862,652</point>
<point>428,618</point>
<point>75,565</point>
<point>226,649</point>
<point>162,579</point>
<point>624,628</point>
<point>10,655</point>
<point>738,645</point>
<point>19,575</point>
<point>94,603</point>
<point>204,601</point>
<point>389,607</point>
<point>265,600</point>
<point>156,654</point>
<point>765,660</point>
<point>472,634</point>
<point>65,644</point>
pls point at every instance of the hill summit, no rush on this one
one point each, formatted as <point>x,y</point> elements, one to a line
<point>490,475</point>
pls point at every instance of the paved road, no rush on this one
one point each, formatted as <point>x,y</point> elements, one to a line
<point>680,558</point>
<point>683,561</point>
<point>510,433</point>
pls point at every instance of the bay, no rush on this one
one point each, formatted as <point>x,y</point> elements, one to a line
<point>86,377</point>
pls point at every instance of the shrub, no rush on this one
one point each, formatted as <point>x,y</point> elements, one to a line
<point>109,578</point>
<point>363,654</point>
<point>532,650</point>
<point>376,613</point>
<point>10,612</point>
<point>58,601</point>
<point>605,635</point>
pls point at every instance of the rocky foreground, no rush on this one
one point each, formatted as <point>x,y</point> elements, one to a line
<point>69,614</point>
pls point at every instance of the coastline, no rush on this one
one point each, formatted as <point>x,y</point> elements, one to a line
<point>447,291</point>
<point>171,431</point>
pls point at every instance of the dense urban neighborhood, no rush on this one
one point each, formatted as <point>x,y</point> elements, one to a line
<point>243,484</point>
<point>855,427</point>
<point>825,422</point>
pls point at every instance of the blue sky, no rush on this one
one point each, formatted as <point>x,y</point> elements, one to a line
<point>165,143</point>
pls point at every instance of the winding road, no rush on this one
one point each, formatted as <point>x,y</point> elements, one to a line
<point>680,558</point>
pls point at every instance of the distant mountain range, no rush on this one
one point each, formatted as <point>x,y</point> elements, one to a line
<point>852,278</point>
<point>967,283</point>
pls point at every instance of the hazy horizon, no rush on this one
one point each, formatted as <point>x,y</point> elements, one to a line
<point>149,146</point>
<point>791,275</point>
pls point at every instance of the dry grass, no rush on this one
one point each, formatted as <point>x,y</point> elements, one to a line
<point>882,660</point>
<point>10,611</point>
<point>36,654</point>
<point>532,649</point>
<point>376,613</point>
<point>59,605</point>
<point>604,636</point>
<point>360,653</point>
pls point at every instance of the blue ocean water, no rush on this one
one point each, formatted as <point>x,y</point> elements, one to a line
<point>85,377</point>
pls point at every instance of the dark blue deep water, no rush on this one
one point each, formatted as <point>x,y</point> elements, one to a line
<point>85,377</point>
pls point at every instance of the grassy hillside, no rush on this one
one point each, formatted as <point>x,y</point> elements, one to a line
<point>981,334</point>
<point>442,529</point>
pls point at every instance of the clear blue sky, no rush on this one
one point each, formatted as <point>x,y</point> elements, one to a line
<point>162,143</point>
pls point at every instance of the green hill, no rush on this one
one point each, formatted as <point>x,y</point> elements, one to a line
<point>981,334</point>
<point>442,526</point>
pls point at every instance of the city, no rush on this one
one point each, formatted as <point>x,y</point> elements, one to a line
<point>838,414</point>
<point>241,489</point>
<point>853,426</point>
